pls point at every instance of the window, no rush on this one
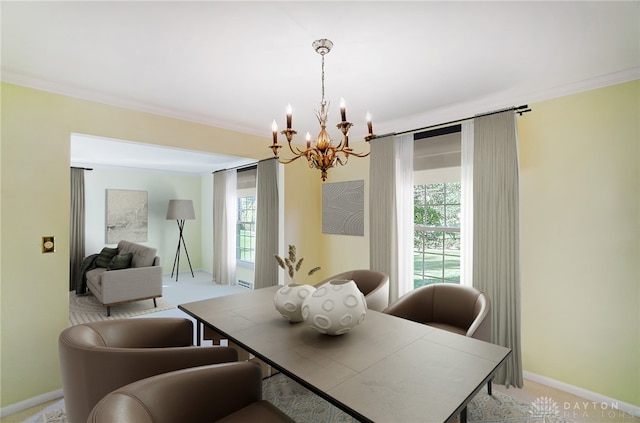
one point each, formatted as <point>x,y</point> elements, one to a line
<point>246,224</point>
<point>436,242</point>
<point>436,196</point>
<point>246,229</point>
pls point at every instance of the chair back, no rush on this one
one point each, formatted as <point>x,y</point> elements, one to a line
<point>231,392</point>
<point>455,308</point>
<point>98,357</point>
<point>374,286</point>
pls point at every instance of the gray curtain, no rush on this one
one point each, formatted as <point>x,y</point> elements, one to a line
<point>225,218</point>
<point>466,220</point>
<point>76,226</point>
<point>391,211</point>
<point>496,250</point>
<point>267,217</point>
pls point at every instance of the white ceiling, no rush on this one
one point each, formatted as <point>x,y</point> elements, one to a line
<point>237,65</point>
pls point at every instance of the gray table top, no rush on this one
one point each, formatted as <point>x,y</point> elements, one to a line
<point>387,369</point>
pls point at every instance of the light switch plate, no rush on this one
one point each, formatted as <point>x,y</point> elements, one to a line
<point>48,244</point>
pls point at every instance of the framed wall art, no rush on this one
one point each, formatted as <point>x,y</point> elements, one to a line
<point>343,208</point>
<point>127,215</point>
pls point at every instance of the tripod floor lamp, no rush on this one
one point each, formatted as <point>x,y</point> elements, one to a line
<point>180,210</point>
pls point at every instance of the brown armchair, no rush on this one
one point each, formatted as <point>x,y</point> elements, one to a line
<point>454,308</point>
<point>223,392</point>
<point>97,358</point>
<point>374,285</point>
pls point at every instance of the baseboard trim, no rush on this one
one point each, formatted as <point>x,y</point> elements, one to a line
<point>184,272</point>
<point>583,393</point>
<point>31,402</point>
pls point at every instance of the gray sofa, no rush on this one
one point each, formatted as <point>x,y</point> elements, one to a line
<point>141,280</point>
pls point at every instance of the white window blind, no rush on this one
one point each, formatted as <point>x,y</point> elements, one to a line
<point>437,152</point>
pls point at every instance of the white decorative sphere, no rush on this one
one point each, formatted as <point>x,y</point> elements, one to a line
<point>288,300</point>
<point>335,307</point>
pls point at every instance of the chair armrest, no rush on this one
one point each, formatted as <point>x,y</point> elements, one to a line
<point>416,305</point>
<point>198,394</point>
<point>481,327</point>
<point>90,374</point>
<point>378,298</point>
<point>410,307</point>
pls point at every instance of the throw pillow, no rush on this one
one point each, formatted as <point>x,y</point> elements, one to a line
<point>105,256</point>
<point>121,261</point>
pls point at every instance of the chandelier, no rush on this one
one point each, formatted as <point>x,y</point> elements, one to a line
<point>321,154</point>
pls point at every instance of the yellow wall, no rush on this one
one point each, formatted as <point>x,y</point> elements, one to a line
<point>303,218</point>
<point>580,238</point>
<point>36,128</point>
<point>346,252</point>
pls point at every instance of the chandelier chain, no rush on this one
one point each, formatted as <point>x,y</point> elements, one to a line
<point>323,78</point>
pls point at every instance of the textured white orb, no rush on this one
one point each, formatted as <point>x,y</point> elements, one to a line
<point>288,300</point>
<point>335,308</point>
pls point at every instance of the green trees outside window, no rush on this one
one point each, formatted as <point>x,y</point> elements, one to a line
<point>436,240</point>
<point>246,230</point>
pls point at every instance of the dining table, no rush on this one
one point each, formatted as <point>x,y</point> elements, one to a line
<point>386,369</point>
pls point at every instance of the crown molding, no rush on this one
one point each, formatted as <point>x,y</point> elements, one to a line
<point>432,117</point>
<point>586,85</point>
<point>112,100</point>
<point>504,101</point>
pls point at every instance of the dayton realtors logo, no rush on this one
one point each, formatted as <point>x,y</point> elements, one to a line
<point>544,407</point>
<point>547,409</point>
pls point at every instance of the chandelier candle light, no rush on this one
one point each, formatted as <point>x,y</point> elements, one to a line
<point>321,154</point>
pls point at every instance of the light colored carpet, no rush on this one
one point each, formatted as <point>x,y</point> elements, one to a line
<point>86,308</point>
<point>305,407</point>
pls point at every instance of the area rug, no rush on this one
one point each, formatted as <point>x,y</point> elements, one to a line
<point>86,308</point>
<point>305,407</point>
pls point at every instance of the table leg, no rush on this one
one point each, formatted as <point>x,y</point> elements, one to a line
<point>463,415</point>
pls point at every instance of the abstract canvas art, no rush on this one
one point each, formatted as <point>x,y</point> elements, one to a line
<point>126,216</point>
<point>343,208</point>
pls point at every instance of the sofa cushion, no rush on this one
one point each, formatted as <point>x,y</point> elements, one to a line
<point>121,261</point>
<point>106,255</point>
<point>143,256</point>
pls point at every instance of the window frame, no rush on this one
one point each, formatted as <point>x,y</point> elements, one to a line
<point>239,257</point>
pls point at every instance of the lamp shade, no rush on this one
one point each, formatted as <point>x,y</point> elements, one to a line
<point>180,209</point>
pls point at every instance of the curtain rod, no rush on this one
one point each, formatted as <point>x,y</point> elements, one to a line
<point>520,110</point>
<point>245,165</point>
<point>81,168</point>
